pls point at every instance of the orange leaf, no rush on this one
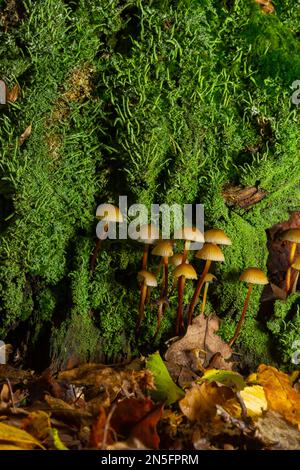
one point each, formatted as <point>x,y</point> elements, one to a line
<point>25,134</point>
<point>98,431</point>
<point>280,395</point>
<point>13,94</point>
<point>145,431</point>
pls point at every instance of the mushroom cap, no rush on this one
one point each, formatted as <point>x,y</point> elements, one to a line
<point>209,277</point>
<point>254,276</point>
<point>211,252</point>
<point>109,213</point>
<point>177,259</point>
<point>292,235</point>
<point>147,278</point>
<point>163,248</point>
<point>192,234</point>
<point>296,263</point>
<point>217,236</point>
<point>185,270</point>
<point>148,234</point>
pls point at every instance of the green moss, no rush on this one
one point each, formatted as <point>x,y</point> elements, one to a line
<point>138,98</point>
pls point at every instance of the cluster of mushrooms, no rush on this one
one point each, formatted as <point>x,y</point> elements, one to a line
<point>182,270</point>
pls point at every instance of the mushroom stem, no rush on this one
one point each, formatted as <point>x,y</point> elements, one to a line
<point>240,322</point>
<point>204,298</point>
<point>179,318</point>
<point>197,291</point>
<point>141,307</point>
<point>145,256</point>
<point>166,274</point>
<point>289,270</point>
<point>185,251</point>
<point>295,282</point>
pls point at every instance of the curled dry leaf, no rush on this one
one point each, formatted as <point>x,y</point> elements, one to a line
<point>199,403</point>
<point>25,135</point>
<point>15,376</point>
<point>13,94</point>
<point>276,433</point>
<point>280,394</point>
<point>12,436</point>
<point>197,348</point>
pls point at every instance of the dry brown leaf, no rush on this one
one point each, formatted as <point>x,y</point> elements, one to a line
<point>276,433</point>
<point>200,401</point>
<point>110,380</point>
<point>25,134</point>
<point>280,394</point>
<point>197,348</point>
<point>15,376</point>
<point>37,423</point>
<point>62,410</point>
<point>13,94</point>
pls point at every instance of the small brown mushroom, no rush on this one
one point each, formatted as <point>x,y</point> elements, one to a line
<point>148,235</point>
<point>188,234</point>
<point>207,280</point>
<point>293,236</point>
<point>251,276</point>
<point>147,280</point>
<point>210,252</point>
<point>182,272</point>
<point>296,268</point>
<point>164,249</point>
<point>105,213</point>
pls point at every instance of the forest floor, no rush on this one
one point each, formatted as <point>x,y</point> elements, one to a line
<point>193,400</point>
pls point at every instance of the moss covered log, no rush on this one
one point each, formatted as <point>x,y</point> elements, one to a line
<point>162,101</point>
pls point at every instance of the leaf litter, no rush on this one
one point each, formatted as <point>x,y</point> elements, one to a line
<point>193,397</point>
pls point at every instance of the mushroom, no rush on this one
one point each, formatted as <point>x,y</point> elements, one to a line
<point>296,267</point>
<point>293,236</point>
<point>182,272</point>
<point>147,280</point>
<point>105,213</point>
<point>148,235</point>
<point>207,280</point>
<point>189,234</point>
<point>209,252</point>
<point>217,236</point>
<point>251,276</point>
<point>164,248</point>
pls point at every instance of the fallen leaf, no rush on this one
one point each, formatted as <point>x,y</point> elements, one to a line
<point>10,435</point>
<point>165,389</point>
<point>266,6</point>
<point>225,377</point>
<point>145,430</point>
<point>98,431</point>
<point>25,134</point>
<point>254,399</point>
<point>15,376</point>
<point>276,433</point>
<point>13,94</point>
<point>195,350</point>
<point>200,401</point>
<point>280,394</point>
<point>37,424</point>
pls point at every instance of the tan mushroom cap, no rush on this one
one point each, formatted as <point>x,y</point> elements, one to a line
<point>211,252</point>
<point>217,236</point>
<point>185,270</point>
<point>148,234</point>
<point>209,277</point>
<point>192,234</point>
<point>177,259</point>
<point>292,235</point>
<point>254,276</point>
<point>163,248</point>
<point>109,213</point>
<point>148,278</point>
<point>296,263</point>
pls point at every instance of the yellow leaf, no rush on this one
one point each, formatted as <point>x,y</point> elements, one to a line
<point>281,396</point>
<point>254,399</point>
<point>10,435</point>
<point>58,444</point>
<point>225,377</point>
<point>200,401</point>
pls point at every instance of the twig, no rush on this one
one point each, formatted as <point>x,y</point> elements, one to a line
<point>106,427</point>
<point>11,394</point>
